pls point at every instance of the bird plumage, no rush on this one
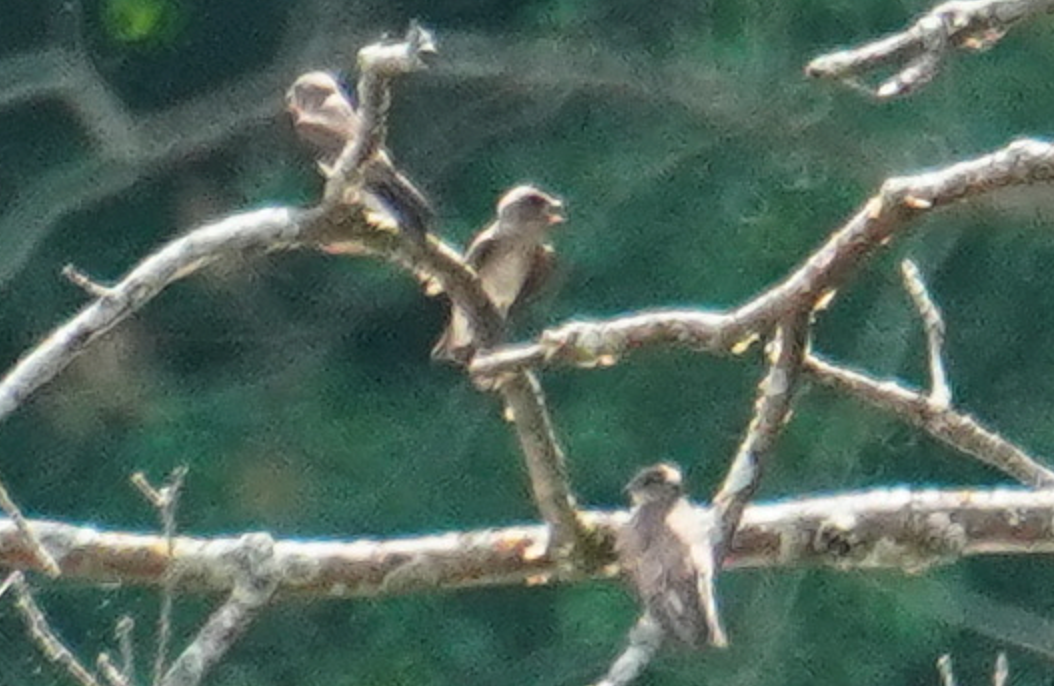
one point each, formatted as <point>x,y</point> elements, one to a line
<point>324,117</point>
<point>511,259</point>
<point>657,551</point>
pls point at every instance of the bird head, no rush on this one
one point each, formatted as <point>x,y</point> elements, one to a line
<point>659,483</point>
<point>322,113</point>
<point>528,206</point>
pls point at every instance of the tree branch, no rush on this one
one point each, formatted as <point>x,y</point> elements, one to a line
<point>917,52</point>
<point>899,201</point>
<point>253,572</point>
<point>885,528</point>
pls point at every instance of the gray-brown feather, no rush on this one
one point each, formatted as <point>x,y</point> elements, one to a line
<point>659,564</point>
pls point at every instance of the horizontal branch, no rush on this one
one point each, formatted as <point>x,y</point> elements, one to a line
<point>890,528</point>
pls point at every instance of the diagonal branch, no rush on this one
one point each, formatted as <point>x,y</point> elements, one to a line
<point>956,429</point>
<point>933,323</point>
<point>255,581</point>
<point>899,202</point>
<point>917,52</point>
<point>645,639</point>
<point>44,636</point>
<point>546,466</point>
<point>771,412</point>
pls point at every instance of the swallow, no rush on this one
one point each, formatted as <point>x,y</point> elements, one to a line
<point>512,261</point>
<point>324,118</point>
<point>663,550</point>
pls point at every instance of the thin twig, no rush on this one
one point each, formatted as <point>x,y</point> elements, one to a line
<point>918,52</point>
<point>83,281</point>
<point>110,671</point>
<point>166,501</point>
<point>43,558</point>
<point>956,429</point>
<point>933,323</point>
<point>45,637</point>
<point>123,633</point>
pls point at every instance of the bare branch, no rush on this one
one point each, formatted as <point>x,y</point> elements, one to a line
<point>886,528</point>
<point>45,637</point>
<point>960,24</point>
<point>166,501</point>
<point>771,412</point>
<point>255,581</point>
<point>545,460</point>
<point>900,201</point>
<point>123,633</point>
<point>110,671</point>
<point>262,230</point>
<point>84,282</point>
<point>43,558</point>
<point>940,390</point>
<point>956,429</point>
<point>645,638</point>
<point>1002,670</point>
<point>378,64</point>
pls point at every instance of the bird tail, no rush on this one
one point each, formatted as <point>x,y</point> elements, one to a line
<point>455,345</point>
<point>401,197</point>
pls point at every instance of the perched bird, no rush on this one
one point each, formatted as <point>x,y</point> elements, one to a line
<point>512,261</point>
<point>324,117</point>
<point>662,550</point>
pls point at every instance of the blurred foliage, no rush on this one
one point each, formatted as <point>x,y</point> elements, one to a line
<point>698,166</point>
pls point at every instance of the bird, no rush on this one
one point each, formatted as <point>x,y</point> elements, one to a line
<point>512,261</point>
<point>662,549</point>
<point>325,118</point>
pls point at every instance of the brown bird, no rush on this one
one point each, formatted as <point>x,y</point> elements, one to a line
<point>663,551</point>
<point>512,260</point>
<point>324,117</point>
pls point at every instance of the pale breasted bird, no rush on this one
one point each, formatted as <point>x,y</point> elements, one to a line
<point>660,548</point>
<point>511,259</point>
<point>325,118</point>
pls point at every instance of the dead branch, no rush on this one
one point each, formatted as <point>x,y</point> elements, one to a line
<point>918,52</point>
<point>253,572</point>
<point>645,639</point>
<point>882,218</point>
<point>956,429</point>
<point>44,636</point>
<point>885,528</point>
<point>933,322</point>
<point>772,411</point>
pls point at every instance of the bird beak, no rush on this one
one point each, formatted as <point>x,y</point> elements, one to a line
<point>554,216</point>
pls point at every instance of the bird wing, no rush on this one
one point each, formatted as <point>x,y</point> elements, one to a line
<point>481,248</point>
<point>662,571</point>
<point>542,269</point>
<point>696,536</point>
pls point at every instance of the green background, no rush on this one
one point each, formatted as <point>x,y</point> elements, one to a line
<point>698,166</point>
